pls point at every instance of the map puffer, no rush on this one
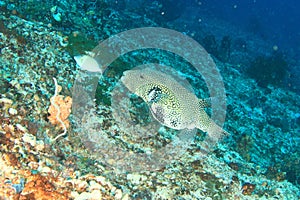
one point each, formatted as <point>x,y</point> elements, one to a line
<point>171,104</point>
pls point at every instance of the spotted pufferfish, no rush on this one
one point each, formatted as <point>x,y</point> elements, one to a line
<point>170,103</point>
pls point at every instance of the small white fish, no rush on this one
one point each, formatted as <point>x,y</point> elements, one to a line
<point>88,63</point>
<point>172,104</point>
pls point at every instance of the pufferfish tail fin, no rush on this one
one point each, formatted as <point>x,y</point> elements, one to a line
<point>206,124</point>
<point>214,132</point>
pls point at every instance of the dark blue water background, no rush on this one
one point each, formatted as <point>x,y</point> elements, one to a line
<point>275,20</point>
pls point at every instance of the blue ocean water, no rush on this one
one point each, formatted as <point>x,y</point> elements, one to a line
<point>274,20</point>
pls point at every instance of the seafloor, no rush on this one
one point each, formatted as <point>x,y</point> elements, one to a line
<point>259,160</point>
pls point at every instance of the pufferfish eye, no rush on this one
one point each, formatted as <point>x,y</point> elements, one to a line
<point>154,95</point>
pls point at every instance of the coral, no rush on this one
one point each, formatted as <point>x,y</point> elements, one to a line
<point>275,173</point>
<point>39,187</point>
<point>248,188</point>
<point>268,70</point>
<point>244,144</point>
<point>79,43</point>
<point>210,44</point>
<point>60,109</point>
<point>221,51</point>
<point>224,49</point>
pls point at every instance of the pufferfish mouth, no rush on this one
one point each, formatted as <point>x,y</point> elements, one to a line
<point>122,79</point>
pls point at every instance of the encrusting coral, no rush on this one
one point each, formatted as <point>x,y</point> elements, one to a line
<point>64,104</point>
<point>60,109</point>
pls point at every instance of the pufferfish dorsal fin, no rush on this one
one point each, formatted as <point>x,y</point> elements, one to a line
<point>204,103</point>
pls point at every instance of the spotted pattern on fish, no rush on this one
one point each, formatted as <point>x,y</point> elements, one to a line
<point>162,103</point>
<point>172,104</point>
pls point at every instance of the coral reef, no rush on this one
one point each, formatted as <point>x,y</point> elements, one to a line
<point>260,159</point>
<point>269,70</point>
<point>222,51</point>
<point>60,108</point>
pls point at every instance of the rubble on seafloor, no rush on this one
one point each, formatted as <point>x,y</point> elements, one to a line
<point>34,168</point>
